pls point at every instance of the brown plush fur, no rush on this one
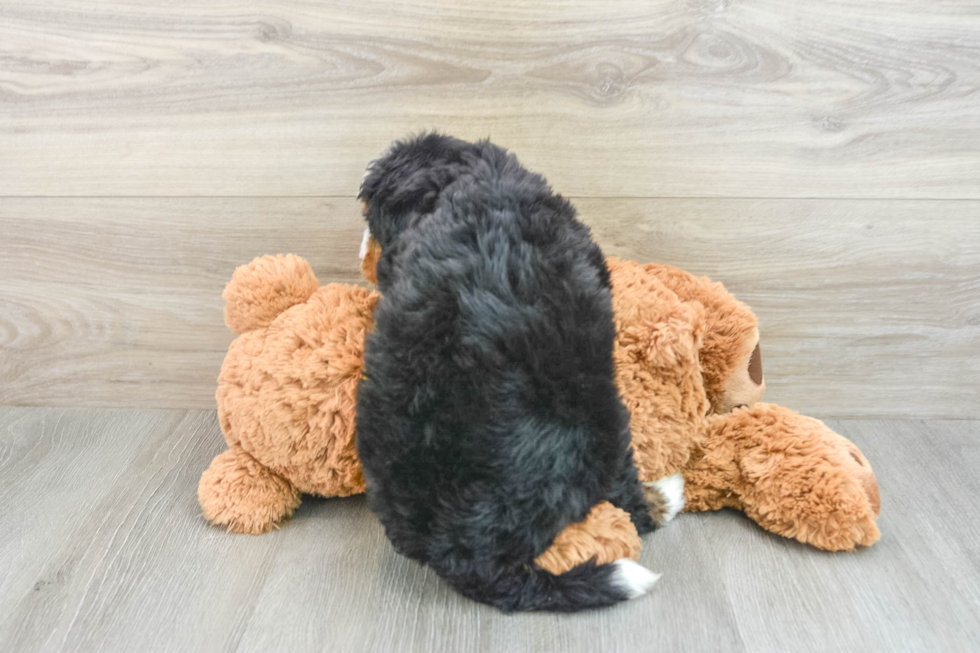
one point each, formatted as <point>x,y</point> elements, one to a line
<point>656,354</point>
<point>260,291</point>
<point>286,394</point>
<point>605,535</point>
<point>790,473</point>
<point>731,335</point>
<point>243,495</point>
<point>684,356</point>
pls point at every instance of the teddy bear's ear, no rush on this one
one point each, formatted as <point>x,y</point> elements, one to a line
<point>740,370</point>
<point>264,288</point>
<point>731,359</point>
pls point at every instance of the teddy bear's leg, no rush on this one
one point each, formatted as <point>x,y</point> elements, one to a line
<point>243,495</point>
<point>604,536</point>
<point>790,473</point>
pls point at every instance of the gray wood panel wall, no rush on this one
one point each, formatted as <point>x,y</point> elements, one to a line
<point>822,159</point>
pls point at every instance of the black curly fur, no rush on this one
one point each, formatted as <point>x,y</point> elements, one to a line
<point>489,419</point>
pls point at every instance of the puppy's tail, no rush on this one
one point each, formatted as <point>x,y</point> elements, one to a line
<point>530,587</point>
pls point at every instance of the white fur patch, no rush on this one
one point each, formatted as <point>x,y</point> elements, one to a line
<point>634,578</point>
<point>672,490</point>
<point>364,243</point>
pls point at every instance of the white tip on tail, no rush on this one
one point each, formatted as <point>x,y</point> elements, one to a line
<point>633,577</point>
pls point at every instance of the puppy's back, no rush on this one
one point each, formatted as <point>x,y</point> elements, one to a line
<point>489,418</point>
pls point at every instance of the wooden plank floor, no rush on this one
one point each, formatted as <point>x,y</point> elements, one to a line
<point>102,548</point>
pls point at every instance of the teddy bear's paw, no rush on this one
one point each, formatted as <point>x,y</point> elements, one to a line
<point>238,493</point>
<point>665,498</point>
<point>841,511</point>
<point>802,480</point>
<point>841,524</point>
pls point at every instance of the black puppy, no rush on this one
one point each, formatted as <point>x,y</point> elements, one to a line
<point>488,419</point>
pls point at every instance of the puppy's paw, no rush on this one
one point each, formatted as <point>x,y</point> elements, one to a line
<point>633,578</point>
<point>665,498</point>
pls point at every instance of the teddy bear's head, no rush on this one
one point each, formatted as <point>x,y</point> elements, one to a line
<point>287,388</point>
<point>685,349</point>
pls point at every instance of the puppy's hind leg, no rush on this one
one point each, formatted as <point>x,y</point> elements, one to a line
<point>484,546</point>
<point>627,494</point>
<point>604,536</point>
<point>665,497</point>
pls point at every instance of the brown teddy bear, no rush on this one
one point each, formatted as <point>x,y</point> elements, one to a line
<point>689,368</point>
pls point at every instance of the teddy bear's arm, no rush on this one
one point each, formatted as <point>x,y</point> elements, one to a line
<point>790,473</point>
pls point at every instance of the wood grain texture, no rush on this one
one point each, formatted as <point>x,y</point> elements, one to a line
<point>102,548</point>
<point>118,302</point>
<point>695,98</point>
<point>116,557</point>
<point>867,308</point>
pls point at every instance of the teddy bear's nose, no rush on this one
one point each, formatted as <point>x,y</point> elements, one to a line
<point>755,366</point>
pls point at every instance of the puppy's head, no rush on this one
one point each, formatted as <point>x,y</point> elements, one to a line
<point>405,181</point>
